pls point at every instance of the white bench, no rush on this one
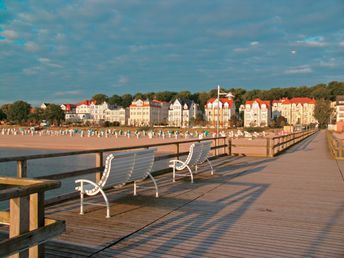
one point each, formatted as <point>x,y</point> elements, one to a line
<point>120,168</point>
<point>198,154</point>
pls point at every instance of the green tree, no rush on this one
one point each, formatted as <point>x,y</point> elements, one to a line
<point>100,98</point>
<point>54,114</point>
<point>36,116</point>
<point>5,108</point>
<point>18,111</point>
<point>2,115</point>
<point>115,100</point>
<point>322,112</point>
<point>165,95</point>
<point>126,100</point>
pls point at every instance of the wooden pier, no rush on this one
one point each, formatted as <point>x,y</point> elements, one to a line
<point>291,205</point>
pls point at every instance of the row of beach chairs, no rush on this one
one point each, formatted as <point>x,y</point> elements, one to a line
<point>134,167</point>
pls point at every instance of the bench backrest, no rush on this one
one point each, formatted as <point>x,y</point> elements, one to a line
<point>194,154</point>
<point>124,167</point>
<point>144,161</point>
<point>206,147</point>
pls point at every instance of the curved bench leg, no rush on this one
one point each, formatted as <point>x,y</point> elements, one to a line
<point>212,169</point>
<point>191,175</point>
<point>81,203</point>
<point>174,174</point>
<point>155,184</point>
<point>107,204</point>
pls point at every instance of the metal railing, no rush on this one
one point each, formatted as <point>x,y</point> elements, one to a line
<point>335,146</point>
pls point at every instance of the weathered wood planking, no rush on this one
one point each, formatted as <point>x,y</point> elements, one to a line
<point>288,206</point>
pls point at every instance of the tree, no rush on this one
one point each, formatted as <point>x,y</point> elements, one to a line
<point>126,100</point>
<point>322,112</point>
<point>36,116</point>
<point>235,121</point>
<point>18,111</point>
<point>115,100</point>
<point>54,114</point>
<point>2,115</point>
<point>100,98</point>
<point>5,108</point>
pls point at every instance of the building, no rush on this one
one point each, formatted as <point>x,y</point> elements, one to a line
<point>118,114</point>
<point>69,111</point>
<point>181,112</point>
<point>148,113</point>
<point>257,113</point>
<point>296,110</point>
<point>340,109</point>
<point>44,105</point>
<point>225,107</point>
<point>82,110</point>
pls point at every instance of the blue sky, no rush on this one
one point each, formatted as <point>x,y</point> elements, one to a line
<point>67,50</point>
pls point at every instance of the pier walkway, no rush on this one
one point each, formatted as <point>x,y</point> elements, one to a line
<point>291,205</point>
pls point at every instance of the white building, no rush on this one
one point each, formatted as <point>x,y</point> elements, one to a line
<point>89,111</point>
<point>257,113</point>
<point>223,110</point>
<point>70,112</point>
<point>295,110</point>
<point>340,108</point>
<point>181,112</point>
<point>148,113</point>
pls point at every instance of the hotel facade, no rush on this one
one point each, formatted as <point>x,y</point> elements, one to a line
<point>181,113</point>
<point>222,110</point>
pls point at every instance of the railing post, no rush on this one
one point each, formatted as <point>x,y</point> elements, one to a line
<point>229,147</point>
<point>19,220</point>
<point>177,150</point>
<point>22,168</point>
<point>216,146</point>
<point>269,147</point>
<point>99,163</point>
<point>37,221</point>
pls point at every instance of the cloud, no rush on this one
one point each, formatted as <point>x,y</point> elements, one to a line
<point>254,43</point>
<point>68,93</point>
<point>10,34</point>
<point>316,41</point>
<point>123,80</point>
<point>32,70</point>
<point>31,46</point>
<point>304,69</point>
<point>293,52</point>
<point>341,44</point>
<point>47,62</point>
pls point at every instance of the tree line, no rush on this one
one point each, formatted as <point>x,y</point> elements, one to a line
<point>21,111</point>
<point>320,91</point>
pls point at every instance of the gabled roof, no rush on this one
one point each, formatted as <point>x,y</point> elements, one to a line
<point>295,101</point>
<point>222,100</point>
<point>69,107</point>
<point>87,102</point>
<point>259,101</point>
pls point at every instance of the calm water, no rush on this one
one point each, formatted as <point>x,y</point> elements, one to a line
<point>41,167</point>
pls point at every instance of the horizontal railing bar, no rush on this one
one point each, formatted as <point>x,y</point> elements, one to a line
<point>87,171</point>
<point>70,153</point>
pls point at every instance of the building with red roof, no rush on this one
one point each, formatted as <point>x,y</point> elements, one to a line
<point>225,107</point>
<point>296,110</point>
<point>257,113</point>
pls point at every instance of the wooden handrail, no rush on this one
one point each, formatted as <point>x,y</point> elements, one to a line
<point>336,146</point>
<point>28,228</point>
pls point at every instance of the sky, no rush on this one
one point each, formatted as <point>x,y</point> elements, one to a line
<point>63,51</point>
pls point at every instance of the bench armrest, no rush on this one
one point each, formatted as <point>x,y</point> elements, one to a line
<point>82,181</point>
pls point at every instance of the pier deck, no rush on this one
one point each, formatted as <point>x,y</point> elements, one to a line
<point>291,205</point>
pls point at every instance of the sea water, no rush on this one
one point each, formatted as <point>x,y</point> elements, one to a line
<point>48,166</point>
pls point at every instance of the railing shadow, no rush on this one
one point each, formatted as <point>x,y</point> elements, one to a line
<point>197,217</point>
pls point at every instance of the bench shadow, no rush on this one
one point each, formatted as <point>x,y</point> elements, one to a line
<point>195,217</point>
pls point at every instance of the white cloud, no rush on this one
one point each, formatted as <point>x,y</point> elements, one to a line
<point>254,43</point>
<point>341,44</point>
<point>10,34</point>
<point>68,93</point>
<point>293,52</point>
<point>32,70</point>
<point>299,70</point>
<point>47,61</point>
<point>31,46</point>
<point>317,41</point>
<point>123,80</point>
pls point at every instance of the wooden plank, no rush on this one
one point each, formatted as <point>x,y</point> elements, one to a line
<point>19,221</point>
<point>22,168</point>
<point>37,220</point>
<point>5,217</point>
<point>31,238</point>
